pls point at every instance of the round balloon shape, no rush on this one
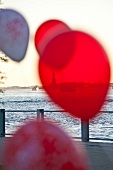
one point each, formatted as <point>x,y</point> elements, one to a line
<point>50,42</point>
<point>14,34</point>
<point>44,146</point>
<point>81,86</point>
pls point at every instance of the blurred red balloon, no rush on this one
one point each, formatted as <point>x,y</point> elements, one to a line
<point>43,146</point>
<point>53,45</point>
<point>81,86</point>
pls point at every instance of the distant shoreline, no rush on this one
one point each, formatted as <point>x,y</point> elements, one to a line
<point>31,88</point>
<point>18,88</point>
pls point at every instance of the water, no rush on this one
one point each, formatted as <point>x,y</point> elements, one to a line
<point>100,127</point>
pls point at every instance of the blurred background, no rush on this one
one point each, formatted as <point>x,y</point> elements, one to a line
<point>91,16</point>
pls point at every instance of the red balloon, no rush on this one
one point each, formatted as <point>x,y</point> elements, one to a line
<point>44,146</point>
<point>81,86</point>
<point>53,44</point>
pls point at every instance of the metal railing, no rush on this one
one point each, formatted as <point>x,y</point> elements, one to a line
<point>40,114</point>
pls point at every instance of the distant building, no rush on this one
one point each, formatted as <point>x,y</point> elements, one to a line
<point>53,79</point>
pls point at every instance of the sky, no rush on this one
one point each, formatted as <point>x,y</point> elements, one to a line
<point>91,16</point>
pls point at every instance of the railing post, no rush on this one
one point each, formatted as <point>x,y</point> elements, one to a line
<point>2,122</point>
<point>40,114</point>
<point>85,131</point>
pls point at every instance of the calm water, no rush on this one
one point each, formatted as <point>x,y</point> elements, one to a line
<point>101,126</point>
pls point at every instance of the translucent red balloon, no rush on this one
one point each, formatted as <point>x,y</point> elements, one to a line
<point>54,43</point>
<point>14,34</point>
<point>43,146</point>
<point>81,86</point>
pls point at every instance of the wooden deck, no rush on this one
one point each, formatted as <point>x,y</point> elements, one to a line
<point>100,154</point>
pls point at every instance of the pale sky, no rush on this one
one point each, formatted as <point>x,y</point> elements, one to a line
<point>92,16</point>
